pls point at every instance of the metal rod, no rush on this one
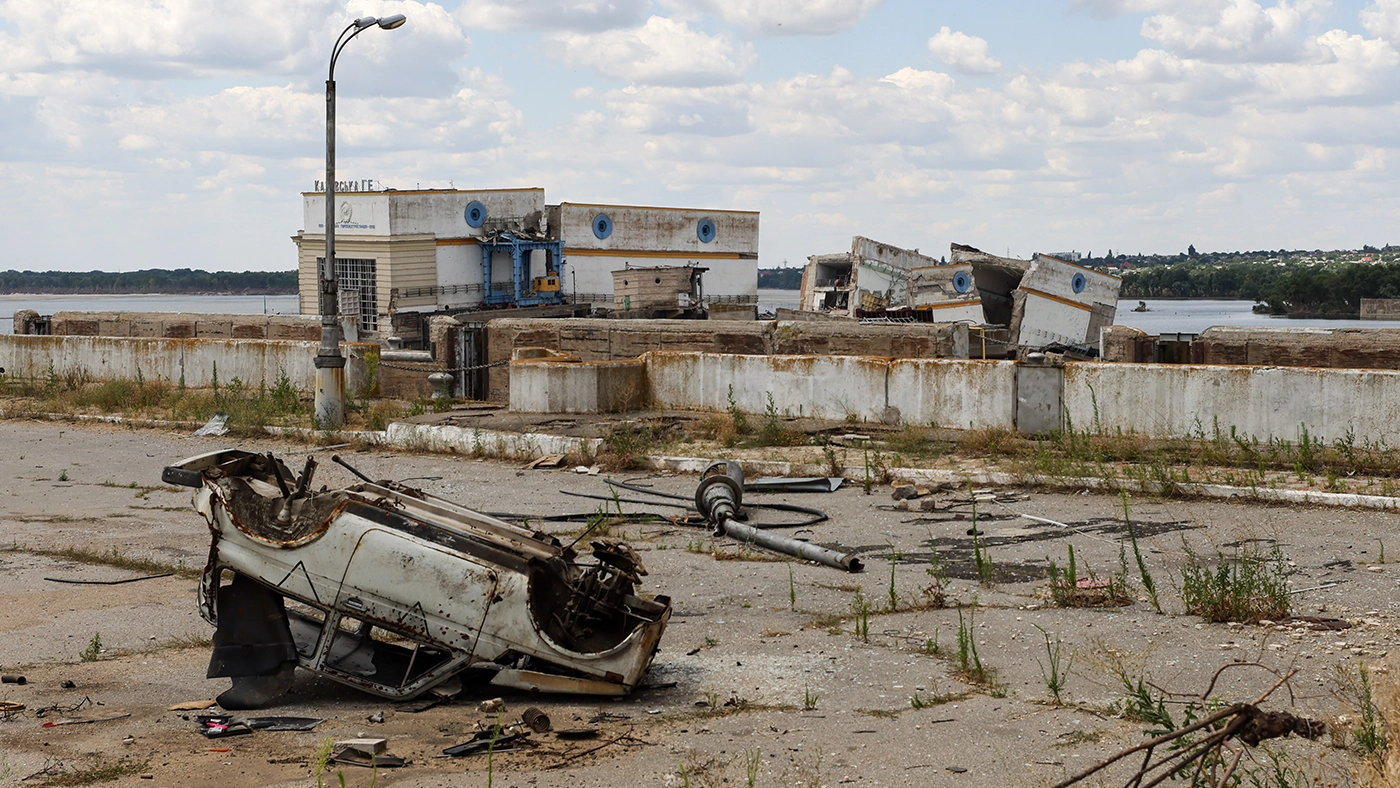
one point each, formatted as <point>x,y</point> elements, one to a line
<point>789,546</point>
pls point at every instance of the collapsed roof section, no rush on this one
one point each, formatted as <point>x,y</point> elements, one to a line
<point>879,280</point>
<point>1042,302</point>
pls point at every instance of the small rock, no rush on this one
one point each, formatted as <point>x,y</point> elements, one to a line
<point>376,717</point>
<point>904,492</point>
<point>66,684</point>
<point>492,706</point>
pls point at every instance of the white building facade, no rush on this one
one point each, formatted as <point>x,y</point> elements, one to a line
<point>422,250</point>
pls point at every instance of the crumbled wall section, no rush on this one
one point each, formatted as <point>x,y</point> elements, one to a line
<point>594,339</point>
<point>1347,348</point>
<point>1123,343</point>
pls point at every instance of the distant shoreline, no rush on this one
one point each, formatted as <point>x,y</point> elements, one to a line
<point>88,294</point>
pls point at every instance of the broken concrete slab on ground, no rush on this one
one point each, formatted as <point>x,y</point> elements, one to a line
<point>390,590</point>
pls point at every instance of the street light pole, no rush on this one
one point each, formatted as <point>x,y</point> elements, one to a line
<point>330,364</point>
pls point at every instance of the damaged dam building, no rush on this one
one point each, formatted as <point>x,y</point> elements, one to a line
<point>1042,302</point>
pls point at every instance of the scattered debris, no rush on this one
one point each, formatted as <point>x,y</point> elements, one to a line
<point>491,706</point>
<point>193,705</point>
<point>547,461</point>
<point>84,721</point>
<point>1210,755</point>
<point>805,484</point>
<point>282,723</point>
<point>363,746</point>
<point>463,588</point>
<point>377,717</point>
<point>577,733</point>
<point>492,739</point>
<point>536,720</point>
<point>218,726</point>
<point>357,758</point>
<point>108,582</point>
<point>66,684</point>
<point>13,678</point>
<point>720,499</point>
<point>217,425</point>
<point>906,492</point>
<point>1315,623</point>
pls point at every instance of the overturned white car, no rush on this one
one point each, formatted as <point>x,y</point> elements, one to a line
<point>394,591</point>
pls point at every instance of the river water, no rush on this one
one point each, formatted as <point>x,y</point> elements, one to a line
<point>1161,317</point>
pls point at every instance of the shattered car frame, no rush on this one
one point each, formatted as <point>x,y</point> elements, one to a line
<point>394,591</point>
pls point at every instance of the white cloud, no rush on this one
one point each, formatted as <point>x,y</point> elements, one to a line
<point>149,37</point>
<point>660,52</point>
<point>1232,31</point>
<point>785,17</point>
<point>575,15</point>
<point>192,39</point>
<point>963,52</point>
<point>1382,18</point>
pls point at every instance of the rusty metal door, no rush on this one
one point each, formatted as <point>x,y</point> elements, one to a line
<point>469,377</point>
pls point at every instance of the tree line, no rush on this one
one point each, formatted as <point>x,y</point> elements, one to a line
<point>153,280</point>
<point>1328,288</point>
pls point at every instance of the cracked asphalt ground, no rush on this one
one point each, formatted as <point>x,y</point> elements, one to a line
<point>763,654</point>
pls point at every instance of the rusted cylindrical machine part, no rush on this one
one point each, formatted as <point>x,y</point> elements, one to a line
<point>536,720</point>
<point>792,547</point>
<point>12,678</point>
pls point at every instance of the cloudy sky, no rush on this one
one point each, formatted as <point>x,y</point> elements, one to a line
<point>179,133</point>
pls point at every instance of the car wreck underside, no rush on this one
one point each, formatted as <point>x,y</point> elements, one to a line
<point>396,592</point>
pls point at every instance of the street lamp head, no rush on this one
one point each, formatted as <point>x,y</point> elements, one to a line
<point>364,22</point>
<point>392,21</point>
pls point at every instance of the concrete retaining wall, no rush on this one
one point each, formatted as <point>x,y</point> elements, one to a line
<point>1156,400</point>
<point>952,393</point>
<point>578,386</point>
<point>184,325</point>
<point>252,361</point>
<point>824,387</point>
<point>1164,400</point>
<point>594,339</point>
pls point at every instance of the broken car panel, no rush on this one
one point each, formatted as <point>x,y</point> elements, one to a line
<point>393,591</point>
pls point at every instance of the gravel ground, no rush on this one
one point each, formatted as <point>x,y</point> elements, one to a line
<point>762,652</point>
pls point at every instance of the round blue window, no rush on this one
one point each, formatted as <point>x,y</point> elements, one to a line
<point>475,214</point>
<point>1077,283</point>
<point>705,230</point>
<point>602,225</point>
<point>962,282</point>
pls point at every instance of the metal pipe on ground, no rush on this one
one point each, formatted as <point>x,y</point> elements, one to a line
<point>794,547</point>
<point>719,498</point>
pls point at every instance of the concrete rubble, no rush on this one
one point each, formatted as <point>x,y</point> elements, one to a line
<point>1041,303</point>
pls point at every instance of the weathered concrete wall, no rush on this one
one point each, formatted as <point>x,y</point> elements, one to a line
<point>1122,343</point>
<point>545,386</point>
<point>593,339</point>
<point>194,361</point>
<point>1163,400</point>
<point>183,325</point>
<point>952,393</point>
<point>825,387</point>
<point>1343,348</point>
<point>1156,400</point>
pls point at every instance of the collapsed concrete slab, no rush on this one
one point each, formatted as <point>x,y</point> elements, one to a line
<point>1045,301</point>
<point>878,279</point>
